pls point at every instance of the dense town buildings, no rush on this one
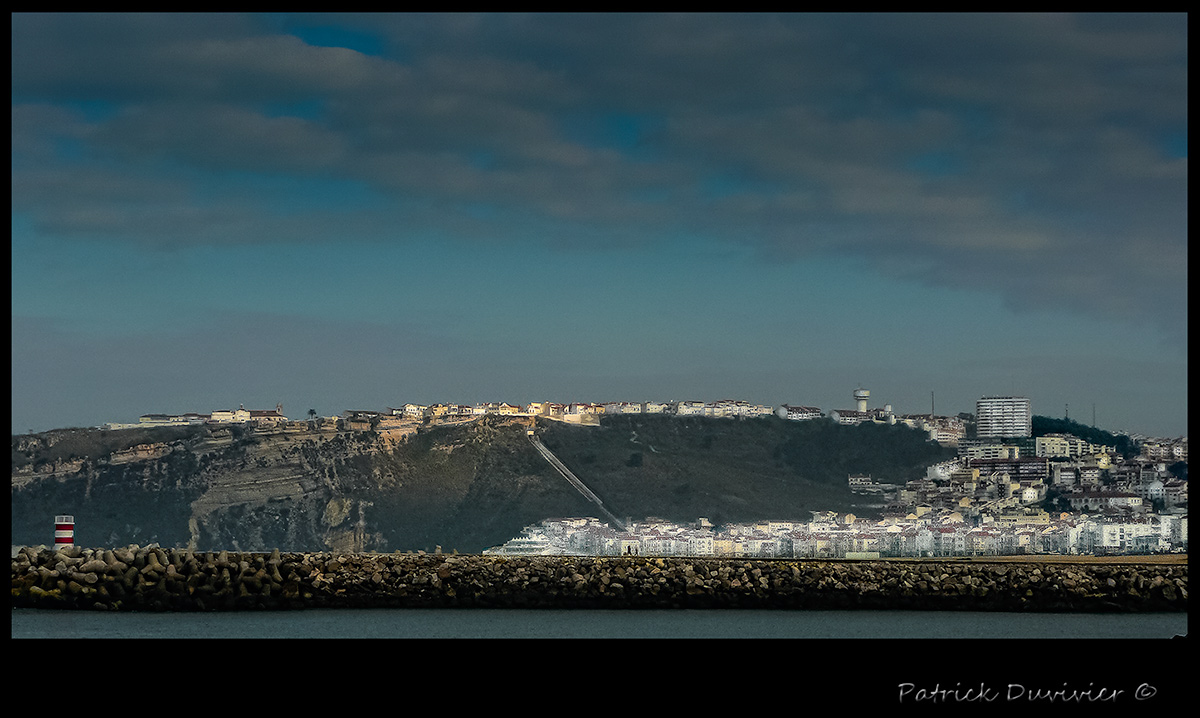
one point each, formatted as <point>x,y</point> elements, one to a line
<point>1088,501</point>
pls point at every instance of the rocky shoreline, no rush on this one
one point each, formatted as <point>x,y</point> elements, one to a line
<point>138,578</point>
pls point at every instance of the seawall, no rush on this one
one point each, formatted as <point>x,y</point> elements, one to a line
<point>158,579</point>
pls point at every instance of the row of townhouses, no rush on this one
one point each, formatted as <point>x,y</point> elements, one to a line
<point>1169,450</point>
<point>1050,446</point>
<point>943,429</point>
<point>722,408</point>
<point>241,415</point>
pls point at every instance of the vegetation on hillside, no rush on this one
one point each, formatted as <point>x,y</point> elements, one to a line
<point>682,468</point>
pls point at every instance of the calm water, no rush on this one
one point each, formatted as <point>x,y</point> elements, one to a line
<point>506,623</point>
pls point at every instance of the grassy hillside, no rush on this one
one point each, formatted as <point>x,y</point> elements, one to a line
<point>681,468</point>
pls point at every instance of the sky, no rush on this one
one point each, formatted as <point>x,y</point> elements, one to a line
<point>338,212</point>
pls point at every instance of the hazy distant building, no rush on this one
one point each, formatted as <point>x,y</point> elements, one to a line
<point>268,417</point>
<point>997,416</point>
<point>798,413</point>
<point>850,417</point>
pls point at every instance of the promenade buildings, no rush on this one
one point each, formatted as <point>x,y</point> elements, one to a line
<point>829,535</point>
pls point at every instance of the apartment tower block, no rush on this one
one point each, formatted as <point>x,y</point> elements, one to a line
<point>997,416</point>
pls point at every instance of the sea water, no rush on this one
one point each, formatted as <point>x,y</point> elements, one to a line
<point>593,623</point>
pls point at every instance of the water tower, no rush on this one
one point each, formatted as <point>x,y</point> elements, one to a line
<point>861,396</point>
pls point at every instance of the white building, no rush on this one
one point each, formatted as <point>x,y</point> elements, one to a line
<point>989,451</point>
<point>689,408</point>
<point>268,416</point>
<point>850,417</point>
<point>621,407</point>
<point>1119,537</point>
<point>997,416</point>
<point>798,413</point>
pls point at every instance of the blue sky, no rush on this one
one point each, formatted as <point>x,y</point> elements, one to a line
<point>358,211</point>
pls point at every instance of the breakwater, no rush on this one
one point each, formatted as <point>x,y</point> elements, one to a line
<point>158,579</point>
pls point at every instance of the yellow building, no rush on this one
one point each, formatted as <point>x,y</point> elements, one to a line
<point>1052,447</point>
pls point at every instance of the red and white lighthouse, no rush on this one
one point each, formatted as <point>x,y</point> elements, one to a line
<point>64,531</point>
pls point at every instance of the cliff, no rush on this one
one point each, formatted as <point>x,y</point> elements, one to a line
<point>465,487</point>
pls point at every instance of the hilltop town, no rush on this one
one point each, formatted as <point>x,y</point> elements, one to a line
<point>1068,497</point>
<point>1006,491</point>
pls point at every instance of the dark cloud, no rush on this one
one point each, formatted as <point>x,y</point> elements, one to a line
<point>1020,154</point>
<point>221,137</point>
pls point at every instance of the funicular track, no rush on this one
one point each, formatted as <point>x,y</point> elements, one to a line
<point>573,479</point>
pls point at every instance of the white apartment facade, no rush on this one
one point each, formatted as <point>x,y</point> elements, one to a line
<point>798,413</point>
<point>997,416</point>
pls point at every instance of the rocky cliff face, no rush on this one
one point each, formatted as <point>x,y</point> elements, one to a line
<point>462,487</point>
<point>321,489</point>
